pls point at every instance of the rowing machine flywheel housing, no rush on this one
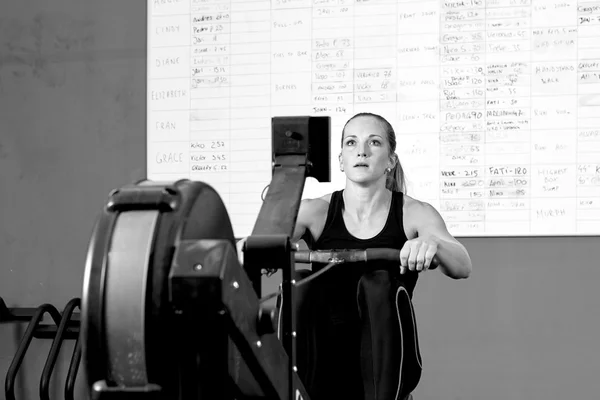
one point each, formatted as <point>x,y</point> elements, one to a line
<point>127,334</point>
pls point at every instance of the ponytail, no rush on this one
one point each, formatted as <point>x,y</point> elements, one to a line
<point>395,180</point>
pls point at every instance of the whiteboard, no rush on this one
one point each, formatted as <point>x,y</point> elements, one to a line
<point>496,104</point>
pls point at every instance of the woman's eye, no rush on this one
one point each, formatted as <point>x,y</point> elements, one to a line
<point>376,142</point>
<point>349,142</point>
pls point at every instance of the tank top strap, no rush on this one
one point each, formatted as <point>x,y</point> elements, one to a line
<point>398,211</point>
<point>330,219</point>
<point>397,206</point>
<point>334,209</point>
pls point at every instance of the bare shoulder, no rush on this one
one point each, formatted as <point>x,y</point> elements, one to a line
<point>417,215</point>
<point>312,216</point>
<point>314,208</point>
<point>416,206</point>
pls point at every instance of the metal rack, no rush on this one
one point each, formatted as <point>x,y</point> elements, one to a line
<point>65,326</point>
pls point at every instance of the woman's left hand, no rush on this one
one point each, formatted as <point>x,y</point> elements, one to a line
<point>417,254</point>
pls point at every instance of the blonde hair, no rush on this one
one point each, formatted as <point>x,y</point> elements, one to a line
<point>395,180</point>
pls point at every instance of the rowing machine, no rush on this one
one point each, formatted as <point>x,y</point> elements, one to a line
<point>167,310</point>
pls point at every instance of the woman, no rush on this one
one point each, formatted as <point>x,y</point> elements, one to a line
<point>371,211</point>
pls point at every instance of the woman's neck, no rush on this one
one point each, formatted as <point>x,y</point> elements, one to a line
<point>363,201</point>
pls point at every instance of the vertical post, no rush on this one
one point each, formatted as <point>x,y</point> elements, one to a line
<point>201,339</point>
<point>288,316</point>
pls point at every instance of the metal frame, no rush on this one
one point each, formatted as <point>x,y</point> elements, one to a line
<point>208,300</point>
<point>65,327</point>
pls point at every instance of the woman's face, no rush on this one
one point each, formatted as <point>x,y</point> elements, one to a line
<point>365,150</point>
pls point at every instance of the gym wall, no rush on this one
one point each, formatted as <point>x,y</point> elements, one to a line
<point>72,127</point>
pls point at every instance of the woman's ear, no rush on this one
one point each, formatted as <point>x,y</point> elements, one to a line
<point>393,160</point>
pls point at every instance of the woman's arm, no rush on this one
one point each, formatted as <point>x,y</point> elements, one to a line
<point>433,239</point>
<point>302,221</point>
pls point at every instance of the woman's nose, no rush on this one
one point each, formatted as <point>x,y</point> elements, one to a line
<point>362,150</point>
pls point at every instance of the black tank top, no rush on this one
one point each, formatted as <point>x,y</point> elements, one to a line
<point>335,324</point>
<point>340,283</point>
